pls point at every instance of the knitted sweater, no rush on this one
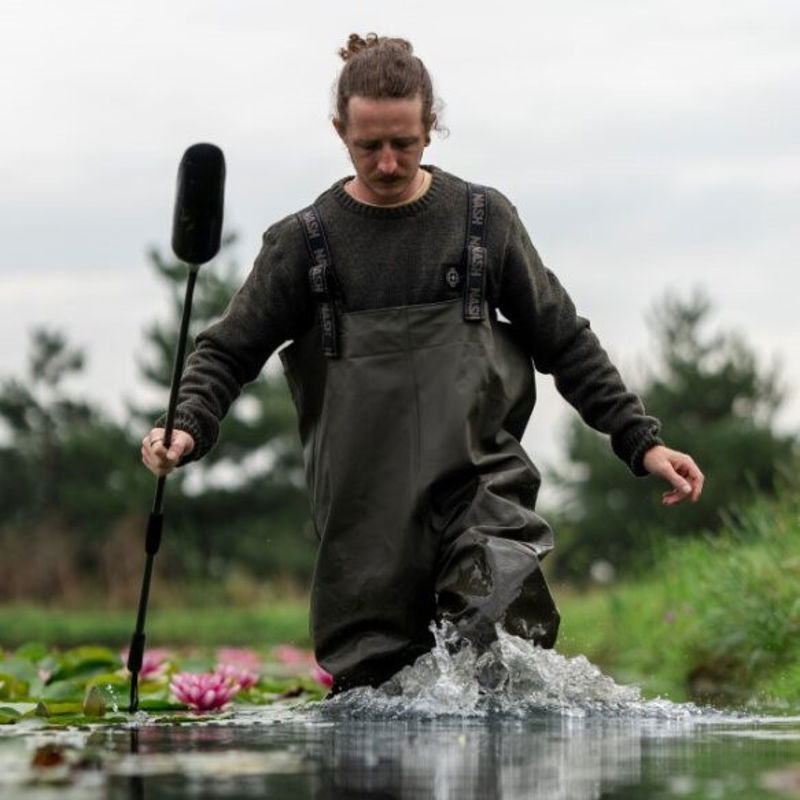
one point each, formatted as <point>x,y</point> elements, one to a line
<point>398,256</point>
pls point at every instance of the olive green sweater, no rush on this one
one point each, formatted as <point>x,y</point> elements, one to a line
<point>401,256</point>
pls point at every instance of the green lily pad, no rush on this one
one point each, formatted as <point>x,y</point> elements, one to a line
<point>32,651</point>
<point>109,679</point>
<point>62,720</point>
<point>152,704</point>
<point>86,662</point>
<point>12,688</point>
<point>23,671</point>
<point>8,716</point>
<point>178,719</point>
<point>71,691</point>
<point>55,709</point>
<point>153,687</point>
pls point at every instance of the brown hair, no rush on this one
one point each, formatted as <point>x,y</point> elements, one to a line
<point>381,67</point>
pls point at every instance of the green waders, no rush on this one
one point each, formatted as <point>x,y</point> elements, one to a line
<point>422,496</point>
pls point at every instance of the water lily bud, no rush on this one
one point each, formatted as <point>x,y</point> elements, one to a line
<point>94,704</point>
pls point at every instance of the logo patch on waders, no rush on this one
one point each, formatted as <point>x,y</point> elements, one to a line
<point>452,277</point>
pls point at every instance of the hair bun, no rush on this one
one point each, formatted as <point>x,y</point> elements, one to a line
<point>356,45</point>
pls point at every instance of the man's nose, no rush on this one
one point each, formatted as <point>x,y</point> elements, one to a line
<point>387,163</point>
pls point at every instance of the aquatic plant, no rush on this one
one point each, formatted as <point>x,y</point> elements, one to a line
<point>203,691</point>
<point>155,663</point>
<point>243,677</point>
<point>321,676</point>
<point>242,657</point>
<point>291,656</point>
<point>295,658</point>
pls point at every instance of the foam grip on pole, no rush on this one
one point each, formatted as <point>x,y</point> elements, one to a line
<point>153,539</point>
<point>136,653</point>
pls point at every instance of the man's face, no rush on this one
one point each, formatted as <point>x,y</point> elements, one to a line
<point>385,139</point>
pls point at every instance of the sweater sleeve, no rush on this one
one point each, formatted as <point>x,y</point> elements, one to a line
<point>562,343</point>
<point>273,306</point>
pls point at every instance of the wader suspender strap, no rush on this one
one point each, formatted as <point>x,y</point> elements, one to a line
<point>321,277</point>
<point>475,255</point>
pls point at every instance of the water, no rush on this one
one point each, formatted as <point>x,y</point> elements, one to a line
<point>516,723</point>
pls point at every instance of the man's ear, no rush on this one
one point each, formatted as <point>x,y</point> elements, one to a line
<point>430,128</point>
<point>339,127</point>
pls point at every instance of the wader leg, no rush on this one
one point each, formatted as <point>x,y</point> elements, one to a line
<point>484,580</point>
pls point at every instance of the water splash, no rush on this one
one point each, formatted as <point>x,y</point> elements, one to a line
<point>112,696</point>
<point>513,678</point>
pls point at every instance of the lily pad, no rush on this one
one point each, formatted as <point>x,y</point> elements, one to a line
<point>86,662</point>
<point>8,715</point>
<point>62,720</point>
<point>32,651</point>
<point>152,704</point>
<point>12,688</point>
<point>55,709</point>
<point>110,679</point>
<point>71,691</point>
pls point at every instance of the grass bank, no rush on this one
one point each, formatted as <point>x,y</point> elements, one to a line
<point>718,620</point>
<point>208,626</point>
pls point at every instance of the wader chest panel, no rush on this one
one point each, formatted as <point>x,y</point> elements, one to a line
<point>422,496</point>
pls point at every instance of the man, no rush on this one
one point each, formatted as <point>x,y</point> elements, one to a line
<point>412,396</point>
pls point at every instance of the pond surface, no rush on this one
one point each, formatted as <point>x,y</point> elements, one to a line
<point>551,727</point>
<point>288,754</point>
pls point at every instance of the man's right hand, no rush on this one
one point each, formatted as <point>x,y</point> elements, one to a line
<point>157,458</point>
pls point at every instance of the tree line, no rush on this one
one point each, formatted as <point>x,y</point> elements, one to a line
<point>74,497</point>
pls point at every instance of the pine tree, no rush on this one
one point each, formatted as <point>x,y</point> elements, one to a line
<point>717,403</point>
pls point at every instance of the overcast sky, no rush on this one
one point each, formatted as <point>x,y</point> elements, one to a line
<point>648,145</point>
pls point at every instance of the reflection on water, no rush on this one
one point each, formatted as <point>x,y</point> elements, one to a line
<point>306,754</point>
<point>560,758</point>
<point>556,758</point>
<point>285,753</point>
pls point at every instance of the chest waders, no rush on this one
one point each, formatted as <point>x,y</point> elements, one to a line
<point>422,496</point>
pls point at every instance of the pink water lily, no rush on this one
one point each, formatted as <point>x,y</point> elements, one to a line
<point>241,657</point>
<point>155,663</point>
<point>245,678</point>
<point>292,656</point>
<point>205,691</point>
<point>321,676</point>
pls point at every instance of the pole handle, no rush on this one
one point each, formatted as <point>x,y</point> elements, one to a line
<point>180,354</point>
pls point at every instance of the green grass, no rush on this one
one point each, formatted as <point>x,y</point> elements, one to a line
<point>255,627</point>
<point>718,620</point>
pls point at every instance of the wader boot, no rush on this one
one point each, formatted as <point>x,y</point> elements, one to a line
<point>422,495</point>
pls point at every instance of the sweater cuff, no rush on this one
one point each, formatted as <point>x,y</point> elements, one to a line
<point>631,448</point>
<point>188,424</point>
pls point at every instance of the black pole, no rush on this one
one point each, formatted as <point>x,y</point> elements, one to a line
<point>156,520</point>
<point>196,235</point>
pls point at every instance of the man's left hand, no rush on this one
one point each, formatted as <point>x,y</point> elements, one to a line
<point>678,469</point>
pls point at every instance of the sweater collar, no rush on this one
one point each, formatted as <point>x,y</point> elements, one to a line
<point>342,197</point>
